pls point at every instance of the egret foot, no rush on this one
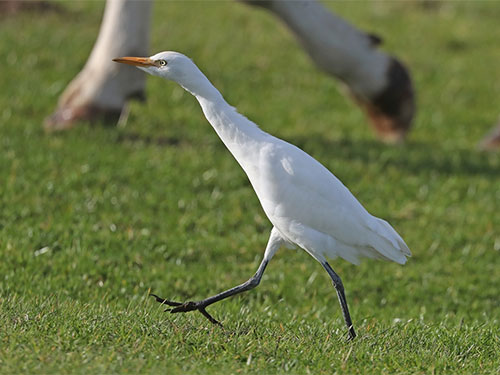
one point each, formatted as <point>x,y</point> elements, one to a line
<point>339,287</point>
<point>273,245</point>
<point>186,307</point>
<point>351,334</point>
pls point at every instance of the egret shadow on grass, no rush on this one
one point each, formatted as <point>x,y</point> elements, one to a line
<point>415,157</point>
<point>162,141</point>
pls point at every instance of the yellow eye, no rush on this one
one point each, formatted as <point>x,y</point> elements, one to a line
<point>162,62</point>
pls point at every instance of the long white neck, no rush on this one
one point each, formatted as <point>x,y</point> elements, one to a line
<point>240,135</point>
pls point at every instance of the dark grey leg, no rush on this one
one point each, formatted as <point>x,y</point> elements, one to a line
<point>201,305</point>
<point>339,287</point>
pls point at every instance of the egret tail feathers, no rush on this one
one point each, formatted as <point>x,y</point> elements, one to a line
<point>388,242</point>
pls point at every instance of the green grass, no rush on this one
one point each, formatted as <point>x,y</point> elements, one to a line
<point>93,219</point>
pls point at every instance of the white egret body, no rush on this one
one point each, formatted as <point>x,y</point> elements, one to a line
<point>307,205</point>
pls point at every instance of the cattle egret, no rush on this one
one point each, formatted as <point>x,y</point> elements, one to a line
<point>307,205</point>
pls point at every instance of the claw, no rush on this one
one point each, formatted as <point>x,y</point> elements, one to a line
<point>185,307</point>
<point>165,301</point>
<point>209,317</point>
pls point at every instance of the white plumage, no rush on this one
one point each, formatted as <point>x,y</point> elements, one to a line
<point>308,206</point>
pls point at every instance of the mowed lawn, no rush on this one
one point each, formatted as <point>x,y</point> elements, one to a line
<point>94,219</point>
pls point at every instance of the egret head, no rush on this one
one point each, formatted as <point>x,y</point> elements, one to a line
<point>170,65</point>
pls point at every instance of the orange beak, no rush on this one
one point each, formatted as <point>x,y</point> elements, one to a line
<point>136,61</point>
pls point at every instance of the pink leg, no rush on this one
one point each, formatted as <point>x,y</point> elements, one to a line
<point>492,140</point>
<point>379,82</point>
<point>101,90</point>
<point>13,6</point>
